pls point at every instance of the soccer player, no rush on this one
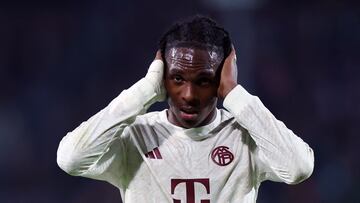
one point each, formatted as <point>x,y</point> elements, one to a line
<point>192,152</point>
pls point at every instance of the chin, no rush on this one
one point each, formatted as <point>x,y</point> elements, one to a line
<point>190,124</point>
<point>187,123</point>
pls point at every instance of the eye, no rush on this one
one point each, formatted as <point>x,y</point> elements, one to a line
<point>204,81</point>
<point>178,79</point>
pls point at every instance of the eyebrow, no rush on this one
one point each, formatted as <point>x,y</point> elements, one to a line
<point>176,71</point>
<point>204,72</point>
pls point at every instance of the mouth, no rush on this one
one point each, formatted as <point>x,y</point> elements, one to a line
<point>188,113</point>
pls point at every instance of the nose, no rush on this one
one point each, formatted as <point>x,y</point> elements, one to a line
<point>189,94</point>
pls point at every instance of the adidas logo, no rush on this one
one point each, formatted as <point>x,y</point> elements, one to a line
<point>154,154</point>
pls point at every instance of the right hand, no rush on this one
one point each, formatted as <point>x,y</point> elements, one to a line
<point>155,76</point>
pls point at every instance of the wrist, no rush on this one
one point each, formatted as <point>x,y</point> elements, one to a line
<point>237,99</point>
<point>225,89</point>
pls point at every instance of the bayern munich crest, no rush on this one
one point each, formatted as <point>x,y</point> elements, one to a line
<point>222,156</point>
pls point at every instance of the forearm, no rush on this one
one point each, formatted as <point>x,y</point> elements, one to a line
<point>284,153</point>
<point>81,148</point>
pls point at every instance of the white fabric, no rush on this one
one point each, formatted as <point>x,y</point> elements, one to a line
<point>155,77</point>
<point>113,146</point>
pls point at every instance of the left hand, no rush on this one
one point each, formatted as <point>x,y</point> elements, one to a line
<point>228,80</point>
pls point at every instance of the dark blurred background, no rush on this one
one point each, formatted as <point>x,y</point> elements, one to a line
<point>62,61</point>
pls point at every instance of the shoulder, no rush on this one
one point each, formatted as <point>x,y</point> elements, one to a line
<point>225,115</point>
<point>150,118</point>
<point>143,124</point>
<point>228,119</point>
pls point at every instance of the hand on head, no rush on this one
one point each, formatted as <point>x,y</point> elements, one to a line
<point>228,78</point>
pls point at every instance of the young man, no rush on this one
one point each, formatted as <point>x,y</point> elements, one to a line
<point>191,152</point>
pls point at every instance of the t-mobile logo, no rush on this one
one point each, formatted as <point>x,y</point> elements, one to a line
<point>190,189</point>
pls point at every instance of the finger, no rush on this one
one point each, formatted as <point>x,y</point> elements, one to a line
<point>232,56</point>
<point>158,55</point>
<point>233,52</point>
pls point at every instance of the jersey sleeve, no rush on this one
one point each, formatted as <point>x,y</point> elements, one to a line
<point>280,154</point>
<point>97,148</point>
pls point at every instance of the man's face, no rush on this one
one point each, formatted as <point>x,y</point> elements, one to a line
<point>191,83</point>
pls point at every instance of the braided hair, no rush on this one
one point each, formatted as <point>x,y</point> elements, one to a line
<point>197,31</point>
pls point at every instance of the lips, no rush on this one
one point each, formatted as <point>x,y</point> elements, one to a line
<point>188,116</point>
<point>188,113</point>
<point>190,110</point>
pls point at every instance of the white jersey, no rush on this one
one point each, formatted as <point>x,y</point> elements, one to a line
<point>151,160</point>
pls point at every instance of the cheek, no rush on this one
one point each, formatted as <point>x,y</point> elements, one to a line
<point>170,89</point>
<point>209,95</point>
<point>211,103</point>
<point>170,93</point>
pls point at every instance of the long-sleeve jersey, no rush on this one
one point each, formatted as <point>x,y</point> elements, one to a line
<point>151,160</point>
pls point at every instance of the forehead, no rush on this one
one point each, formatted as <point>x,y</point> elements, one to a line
<point>192,58</point>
